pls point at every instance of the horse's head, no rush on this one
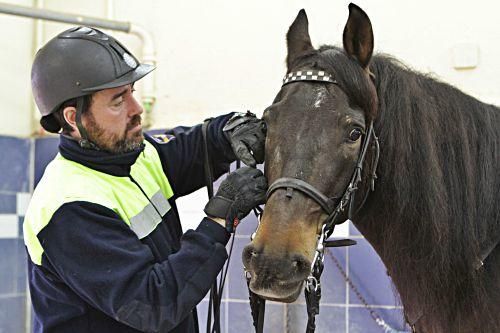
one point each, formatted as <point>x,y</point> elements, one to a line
<point>315,133</point>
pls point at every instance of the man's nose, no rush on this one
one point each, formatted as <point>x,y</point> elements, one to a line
<point>136,107</point>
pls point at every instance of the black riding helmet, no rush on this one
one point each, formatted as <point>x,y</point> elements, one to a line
<point>79,62</point>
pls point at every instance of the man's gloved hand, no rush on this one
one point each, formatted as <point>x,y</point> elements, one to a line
<point>247,135</point>
<point>241,191</point>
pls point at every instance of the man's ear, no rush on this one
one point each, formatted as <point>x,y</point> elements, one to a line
<point>69,114</point>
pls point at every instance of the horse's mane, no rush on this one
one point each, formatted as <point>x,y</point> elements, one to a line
<point>437,201</point>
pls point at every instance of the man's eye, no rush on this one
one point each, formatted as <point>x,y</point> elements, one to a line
<point>119,103</point>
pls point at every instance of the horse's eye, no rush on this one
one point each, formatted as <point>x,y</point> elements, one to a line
<point>355,135</point>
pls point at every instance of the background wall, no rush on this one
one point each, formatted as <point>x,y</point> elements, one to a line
<point>219,56</point>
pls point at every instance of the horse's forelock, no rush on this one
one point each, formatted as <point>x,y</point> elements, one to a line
<point>351,77</point>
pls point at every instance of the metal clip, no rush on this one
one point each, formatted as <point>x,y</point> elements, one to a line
<point>312,283</point>
<point>320,248</point>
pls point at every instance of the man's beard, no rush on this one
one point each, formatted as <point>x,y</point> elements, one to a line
<point>114,143</point>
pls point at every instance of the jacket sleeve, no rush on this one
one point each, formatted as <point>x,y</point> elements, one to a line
<point>183,156</point>
<point>101,259</point>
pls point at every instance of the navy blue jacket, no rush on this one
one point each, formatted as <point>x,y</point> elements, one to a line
<point>162,277</point>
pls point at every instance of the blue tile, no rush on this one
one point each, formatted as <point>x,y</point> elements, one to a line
<point>236,283</point>
<point>202,309</point>
<point>21,268</point>
<point>333,285</point>
<point>45,151</point>
<point>10,249</point>
<point>360,320</point>
<point>368,274</point>
<point>12,267</point>
<point>12,314</point>
<point>240,318</point>
<point>14,164</point>
<point>353,231</point>
<point>8,203</point>
<point>331,319</point>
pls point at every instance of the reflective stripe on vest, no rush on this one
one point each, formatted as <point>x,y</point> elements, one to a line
<point>147,220</point>
<point>66,181</point>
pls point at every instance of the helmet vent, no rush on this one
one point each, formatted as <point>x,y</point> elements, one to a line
<point>85,33</point>
<point>129,60</point>
<point>123,54</point>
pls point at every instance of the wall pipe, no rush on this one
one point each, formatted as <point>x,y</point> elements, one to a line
<point>149,55</point>
<point>50,15</point>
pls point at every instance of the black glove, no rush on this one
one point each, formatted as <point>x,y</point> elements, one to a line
<point>241,191</point>
<point>247,135</point>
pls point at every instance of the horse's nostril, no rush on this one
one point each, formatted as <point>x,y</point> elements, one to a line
<point>300,264</point>
<point>249,254</point>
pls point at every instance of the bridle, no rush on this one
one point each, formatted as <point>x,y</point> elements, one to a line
<point>334,207</point>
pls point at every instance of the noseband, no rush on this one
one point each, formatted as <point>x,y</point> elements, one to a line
<point>333,207</point>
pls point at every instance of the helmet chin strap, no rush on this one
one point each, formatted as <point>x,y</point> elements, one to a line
<point>84,141</point>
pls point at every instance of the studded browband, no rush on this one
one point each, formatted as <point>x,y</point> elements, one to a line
<point>308,75</point>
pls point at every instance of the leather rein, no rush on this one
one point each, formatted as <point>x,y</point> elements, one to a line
<point>333,207</point>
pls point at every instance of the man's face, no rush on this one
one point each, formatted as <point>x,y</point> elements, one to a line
<point>114,120</point>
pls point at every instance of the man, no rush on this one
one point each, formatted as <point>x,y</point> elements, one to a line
<point>106,250</point>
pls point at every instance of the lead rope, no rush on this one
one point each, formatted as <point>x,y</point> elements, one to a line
<point>213,298</point>
<point>217,289</point>
<point>312,290</point>
<point>257,304</point>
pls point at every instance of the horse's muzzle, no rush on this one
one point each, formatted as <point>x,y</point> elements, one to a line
<point>277,278</point>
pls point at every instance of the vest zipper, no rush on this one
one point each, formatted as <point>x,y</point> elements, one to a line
<point>140,188</point>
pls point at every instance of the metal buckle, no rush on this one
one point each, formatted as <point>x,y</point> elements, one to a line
<point>312,284</point>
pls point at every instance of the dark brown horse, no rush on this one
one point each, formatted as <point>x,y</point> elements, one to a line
<point>435,212</point>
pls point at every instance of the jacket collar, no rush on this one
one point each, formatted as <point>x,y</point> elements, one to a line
<point>113,164</point>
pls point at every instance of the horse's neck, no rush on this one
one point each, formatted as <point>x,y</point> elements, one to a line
<point>402,225</point>
<point>375,231</point>
<point>376,228</point>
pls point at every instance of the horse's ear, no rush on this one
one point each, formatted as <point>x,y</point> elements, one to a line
<point>358,36</point>
<point>298,40</point>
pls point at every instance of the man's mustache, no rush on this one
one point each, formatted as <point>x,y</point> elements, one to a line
<point>136,120</point>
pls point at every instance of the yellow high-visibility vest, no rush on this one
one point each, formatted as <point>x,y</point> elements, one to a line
<point>66,181</point>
